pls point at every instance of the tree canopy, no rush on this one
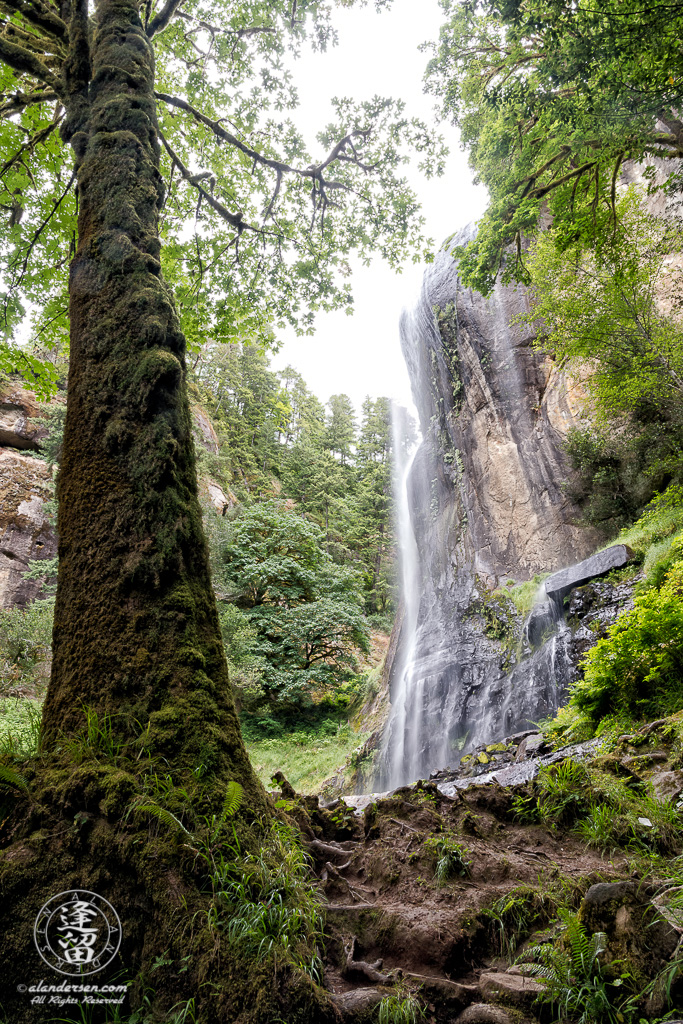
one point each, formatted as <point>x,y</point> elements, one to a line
<point>551,97</point>
<point>257,231</point>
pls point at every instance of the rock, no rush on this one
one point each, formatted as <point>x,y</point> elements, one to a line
<point>358,1003</point>
<point>559,585</point>
<point>635,930</point>
<point>204,430</point>
<point>541,621</point>
<point>213,494</point>
<point>534,743</point>
<point>484,1013</point>
<point>530,746</point>
<point>25,531</point>
<point>515,989</point>
<point>19,412</point>
<point>667,786</point>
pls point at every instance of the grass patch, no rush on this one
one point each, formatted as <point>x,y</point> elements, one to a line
<point>306,758</point>
<point>523,595</point>
<point>19,725</point>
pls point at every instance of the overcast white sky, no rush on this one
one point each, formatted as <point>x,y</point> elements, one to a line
<point>377,54</point>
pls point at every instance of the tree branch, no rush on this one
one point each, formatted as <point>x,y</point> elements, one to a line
<point>21,100</point>
<point>161,20</point>
<point>215,30</point>
<point>314,172</point>
<point>235,219</point>
<point>55,206</point>
<point>48,23</point>
<point>26,63</point>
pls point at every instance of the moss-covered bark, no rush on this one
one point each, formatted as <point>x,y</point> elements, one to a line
<point>136,631</point>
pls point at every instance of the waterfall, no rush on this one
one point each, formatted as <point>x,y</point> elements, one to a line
<point>479,503</point>
<point>399,744</point>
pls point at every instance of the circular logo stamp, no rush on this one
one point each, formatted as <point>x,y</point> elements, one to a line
<point>77,932</point>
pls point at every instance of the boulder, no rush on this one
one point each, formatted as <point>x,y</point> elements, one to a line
<point>19,426</point>
<point>26,532</point>
<point>561,583</point>
<point>667,786</point>
<point>515,989</point>
<point>484,1013</point>
<point>636,932</point>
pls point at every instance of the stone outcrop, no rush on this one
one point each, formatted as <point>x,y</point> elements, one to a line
<point>20,426</point>
<point>26,532</point>
<point>560,584</point>
<point>488,506</point>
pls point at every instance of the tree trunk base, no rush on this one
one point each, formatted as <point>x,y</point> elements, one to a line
<point>75,827</point>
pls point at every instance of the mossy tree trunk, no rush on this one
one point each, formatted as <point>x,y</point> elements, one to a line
<point>136,629</point>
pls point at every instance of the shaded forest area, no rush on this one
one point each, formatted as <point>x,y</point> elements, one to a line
<point>298,509</point>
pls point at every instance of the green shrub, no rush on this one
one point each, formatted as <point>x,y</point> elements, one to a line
<point>638,666</point>
<point>574,982</point>
<point>26,634</point>
<point>662,518</point>
<point>450,858</point>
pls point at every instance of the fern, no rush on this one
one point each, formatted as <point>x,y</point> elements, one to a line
<point>8,777</point>
<point>233,799</point>
<point>162,814</point>
<point>574,983</point>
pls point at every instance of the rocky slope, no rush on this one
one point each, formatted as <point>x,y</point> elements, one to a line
<point>26,529</point>
<point>518,856</point>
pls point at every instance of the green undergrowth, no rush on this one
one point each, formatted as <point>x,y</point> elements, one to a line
<point>635,671</point>
<point>307,757</point>
<point>19,725</point>
<point>243,903</point>
<point>606,806</point>
<point>526,908</point>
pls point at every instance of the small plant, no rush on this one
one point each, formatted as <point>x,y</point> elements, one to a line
<point>574,982</point>
<point>602,829</point>
<point>266,903</point>
<point>400,1008</point>
<point>451,858</point>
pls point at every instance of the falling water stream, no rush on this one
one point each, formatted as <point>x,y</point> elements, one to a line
<point>398,748</point>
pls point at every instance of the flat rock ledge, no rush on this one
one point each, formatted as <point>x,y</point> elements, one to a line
<point>561,583</point>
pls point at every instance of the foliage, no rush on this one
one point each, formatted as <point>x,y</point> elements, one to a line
<point>662,518</point>
<point>19,728</point>
<point>563,794</point>
<point>619,465</point>
<point>257,229</point>
<point>402,1007</point>
<point>575,985</point>
<point>26,634</point>
<point>550,98</point>
<point>277,438</point>
<point>601,313</point>
<point>265,903</point>
<point>638,666</point>
<point>450,858</point>
<point>513,916</point>
<point>307,755</point>
<point>303,610</point>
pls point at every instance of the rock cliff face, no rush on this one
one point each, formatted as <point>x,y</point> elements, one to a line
<point>488,506</point>
<point>26,531</point>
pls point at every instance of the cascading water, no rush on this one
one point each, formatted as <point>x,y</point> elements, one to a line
<point>484,496</point>
<point>399,744</point>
